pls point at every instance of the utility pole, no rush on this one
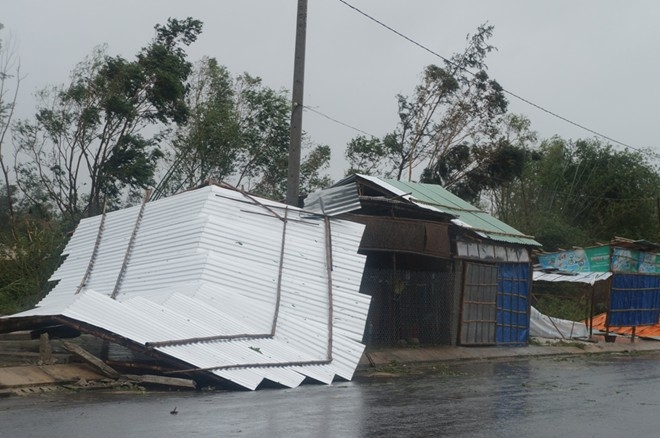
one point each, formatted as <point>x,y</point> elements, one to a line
<point>293,176</point>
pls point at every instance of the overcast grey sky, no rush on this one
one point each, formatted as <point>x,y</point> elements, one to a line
<point>594,62</point>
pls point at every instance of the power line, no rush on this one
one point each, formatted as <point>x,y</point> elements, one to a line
<point>527,101</point>
<point>398,33</point>
<point>338,121</point>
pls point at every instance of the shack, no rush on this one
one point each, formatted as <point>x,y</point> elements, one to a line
<point>214,283</point>
<point>439,270</point>
<point>627,271</point>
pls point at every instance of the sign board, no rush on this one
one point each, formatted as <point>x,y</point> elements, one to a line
<point>631,261</point>
<point>599,259</point>
<point>578,260</point>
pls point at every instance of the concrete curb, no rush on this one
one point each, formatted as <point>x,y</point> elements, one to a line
<point>374,358</point>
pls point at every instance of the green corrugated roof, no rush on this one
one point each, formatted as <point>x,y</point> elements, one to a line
<point>436,196</point>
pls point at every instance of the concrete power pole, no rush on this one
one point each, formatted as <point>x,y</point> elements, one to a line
<point>293,176</point>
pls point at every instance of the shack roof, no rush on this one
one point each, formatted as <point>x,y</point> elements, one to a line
<point>572,277</point>
<point>219,282</point>
<point>433,197</point>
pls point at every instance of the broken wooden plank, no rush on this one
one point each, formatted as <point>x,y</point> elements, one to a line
<point>89,357</point>
<point>162,380</point>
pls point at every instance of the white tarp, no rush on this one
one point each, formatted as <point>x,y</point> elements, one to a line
<point>542,326</point>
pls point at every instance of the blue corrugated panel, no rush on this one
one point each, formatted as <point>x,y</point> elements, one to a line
<point>512,303</point>
<point>634,300</point>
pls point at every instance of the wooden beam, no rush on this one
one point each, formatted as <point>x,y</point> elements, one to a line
<point>98,363</point>
<point>162,380</point>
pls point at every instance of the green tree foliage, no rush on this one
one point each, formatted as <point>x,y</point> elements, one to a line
<point>455,106</point>
<point>316,160</point>
<point>264,117</point>
<point>368,156</point>
<point>27,260</point>
<point>579,193</point>
<point>87,143</point>
<point>469,171</point>
<point>478,171</point>
<point>207,147</point>
<point>238,133</point>
<point>85,146</point>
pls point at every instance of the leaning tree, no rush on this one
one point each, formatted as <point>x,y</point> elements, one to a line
<point>96,138</point>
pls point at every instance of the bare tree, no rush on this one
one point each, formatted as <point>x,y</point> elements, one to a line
<point>10,81</point>
<point>454,105</point>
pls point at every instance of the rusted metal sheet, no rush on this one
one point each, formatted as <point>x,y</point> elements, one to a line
<point>404,235</point>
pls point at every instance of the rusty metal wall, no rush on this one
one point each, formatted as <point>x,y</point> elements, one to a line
<point>408,307</point>
<point>404,235</point>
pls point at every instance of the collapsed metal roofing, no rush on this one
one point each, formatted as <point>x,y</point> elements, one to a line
<point>426,196</point>
<point>222,282</point>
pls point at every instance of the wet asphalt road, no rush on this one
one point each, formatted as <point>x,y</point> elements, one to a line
<point>602,396</point>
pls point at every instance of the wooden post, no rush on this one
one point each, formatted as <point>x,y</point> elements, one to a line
<point>45,349</point>
<point>591,315</point>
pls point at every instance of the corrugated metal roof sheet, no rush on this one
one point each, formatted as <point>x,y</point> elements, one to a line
<point>231,284</point>
<point>341,198</point>
<point>435,197</point>
<point>578,277</point>
<point>334,200</point>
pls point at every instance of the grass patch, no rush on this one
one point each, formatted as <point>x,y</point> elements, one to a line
<point>395,368</point>
<point>557,343</point>
<point>579,345</point>
<point>561,307</point>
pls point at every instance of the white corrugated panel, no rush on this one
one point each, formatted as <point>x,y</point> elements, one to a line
<point>334,201</point>
<point>205,266</point>
<point>578,277</point>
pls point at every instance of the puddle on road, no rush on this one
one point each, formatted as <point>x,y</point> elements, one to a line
<point>531,397</point>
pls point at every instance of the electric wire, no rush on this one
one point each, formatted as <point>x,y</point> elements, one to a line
<point>553,192</point>
<point>338,121</point>
<point>522,99</point>
<point>566,195</point>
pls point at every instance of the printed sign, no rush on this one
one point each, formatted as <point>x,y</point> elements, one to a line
<point>579,260</point>
<point>631,261</point>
